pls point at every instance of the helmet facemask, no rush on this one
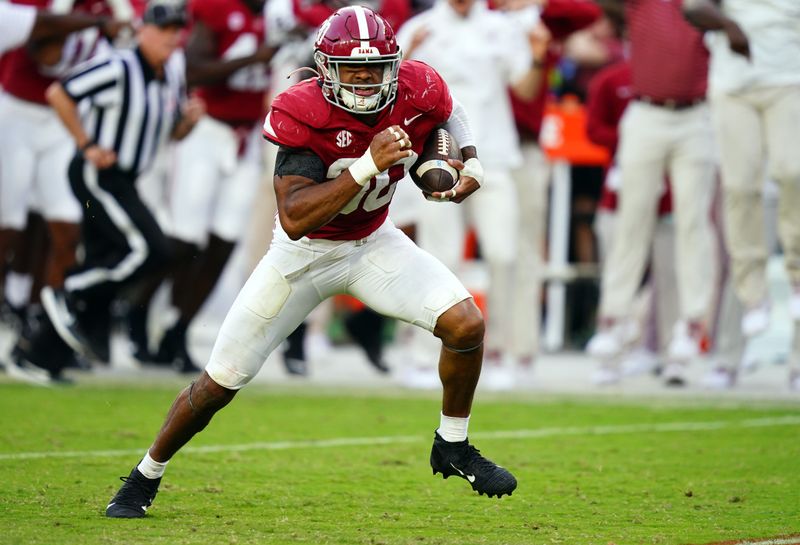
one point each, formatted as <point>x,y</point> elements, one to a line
<point>344,95</point>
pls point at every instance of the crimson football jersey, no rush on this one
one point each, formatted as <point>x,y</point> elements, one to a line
<point>21,76</point>
<point>25,79</point>
<point>238,32</point>
<point>301,118</point>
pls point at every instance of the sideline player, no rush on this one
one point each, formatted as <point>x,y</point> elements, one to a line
<point>346,138</point>
<point>35,151</point>
<point>218,166</point>
<point>754,91</point>
<point>132,102</point>
<point>21,23</point>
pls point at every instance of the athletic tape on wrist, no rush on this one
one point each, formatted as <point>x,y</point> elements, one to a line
<point>364,169</point>
<point>473,169</point>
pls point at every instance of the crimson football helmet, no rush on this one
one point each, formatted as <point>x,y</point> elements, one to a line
<point>357,35</point>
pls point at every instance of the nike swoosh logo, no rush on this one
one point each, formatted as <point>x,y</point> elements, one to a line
<point>114,503</point>
<point>470,478</point>
<point>409,120</point>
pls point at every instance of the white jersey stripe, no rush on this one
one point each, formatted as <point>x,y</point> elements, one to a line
<point>268,127</point>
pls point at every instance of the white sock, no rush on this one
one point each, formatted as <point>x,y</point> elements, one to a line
<point>150,468</point>
<point>18,288</point>
<point>453,428</point>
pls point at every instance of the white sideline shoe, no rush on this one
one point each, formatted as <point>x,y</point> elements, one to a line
<point>420,378</point>
<point>496,378</point>
<point>794,304</point>
<point>605,376</point>
<point>794,381</point>
<point>720,378</point>
<point>609,341</point>
<point>640,361</point>
<point>674,374</point>
<point>684,346</point>
<point>756,320</point>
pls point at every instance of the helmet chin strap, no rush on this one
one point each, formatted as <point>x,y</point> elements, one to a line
<point>359,103</point>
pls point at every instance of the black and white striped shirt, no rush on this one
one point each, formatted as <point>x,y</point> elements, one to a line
<point>125,107</point>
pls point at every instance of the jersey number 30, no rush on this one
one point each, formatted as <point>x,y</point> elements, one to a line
<point>377,192</point>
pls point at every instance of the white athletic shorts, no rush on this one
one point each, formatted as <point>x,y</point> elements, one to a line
<point>214,186</point>
<point>35,151</point>
<point>385,270</point>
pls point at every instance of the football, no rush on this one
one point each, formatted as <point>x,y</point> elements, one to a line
<point>431,172</point>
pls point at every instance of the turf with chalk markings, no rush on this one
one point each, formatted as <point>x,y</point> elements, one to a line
<point>323,467</point>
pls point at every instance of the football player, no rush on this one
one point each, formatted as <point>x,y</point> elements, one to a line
<point>218,167</point>
<point>346,138</point>
<point>35,150</point>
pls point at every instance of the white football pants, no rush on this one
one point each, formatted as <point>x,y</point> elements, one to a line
<point>385,270</point>
<point>756,129</point>
<point>655,141</point>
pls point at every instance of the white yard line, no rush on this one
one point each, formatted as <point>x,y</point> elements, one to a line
<point>772,541</point>
<point>619,429</point>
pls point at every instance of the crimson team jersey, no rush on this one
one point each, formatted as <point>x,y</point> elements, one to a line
<point>238,32</point>
<point>21,77</point>
<point>301,118</point>
<point>25,79</point>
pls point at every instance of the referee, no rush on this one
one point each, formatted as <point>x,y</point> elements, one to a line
<point>120,109</point>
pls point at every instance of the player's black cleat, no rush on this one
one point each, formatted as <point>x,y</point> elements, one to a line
<point>294,353</point>
<point>463,460</point>
<point>135,496</point>
<point>173,351</point>
<point>183,361</point>
<point>135,321</point>
<point>63,315</point>
<point>366,329</point>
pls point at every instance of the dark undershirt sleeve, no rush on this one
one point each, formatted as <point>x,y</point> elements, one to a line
<point>294,162</point>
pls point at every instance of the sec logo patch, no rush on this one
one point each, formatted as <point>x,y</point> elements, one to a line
<point>344,139</point>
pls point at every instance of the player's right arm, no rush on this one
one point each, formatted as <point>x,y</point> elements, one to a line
<point>97,80</point>
<point>22,23</point>
<point>305,203</point>
<point>67,110</point>
<point>706,15</point>
<point>203,67</point>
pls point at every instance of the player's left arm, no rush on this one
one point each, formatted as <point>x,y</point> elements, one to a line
<point>305,204</point>
<point>526,86</point>
<point>471,171</point>
<point>203,67</point>
<point>191,112</point>
<point>707,15</point>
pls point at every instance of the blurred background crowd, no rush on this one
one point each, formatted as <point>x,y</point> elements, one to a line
<point>641,164</point>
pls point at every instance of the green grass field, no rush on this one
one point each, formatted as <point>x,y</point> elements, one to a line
<point>302,466</point>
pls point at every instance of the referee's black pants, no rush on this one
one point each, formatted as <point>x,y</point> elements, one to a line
<point>121,240</point>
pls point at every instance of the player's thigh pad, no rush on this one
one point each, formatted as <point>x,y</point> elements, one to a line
<point>203,162</point>
<point>267,309</point>
<point>398,279</point>
<point>17,158</point>
<point>53,196</point>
